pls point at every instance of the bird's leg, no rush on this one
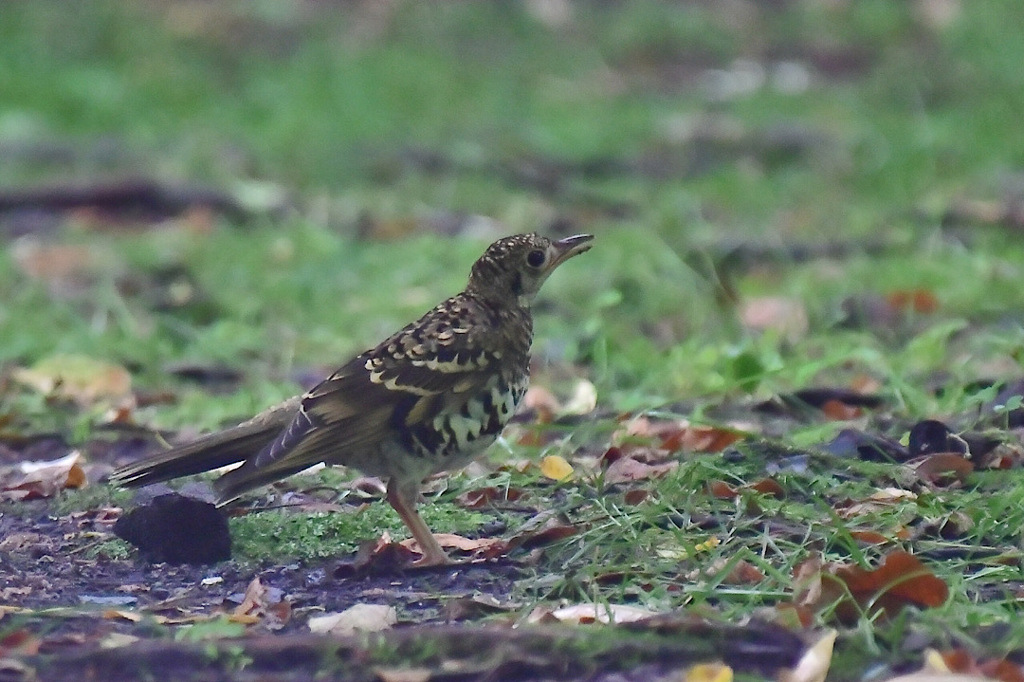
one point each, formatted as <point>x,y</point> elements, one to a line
<point>403,499</point>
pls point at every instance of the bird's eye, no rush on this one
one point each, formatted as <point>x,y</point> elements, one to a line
<point>536,258</point>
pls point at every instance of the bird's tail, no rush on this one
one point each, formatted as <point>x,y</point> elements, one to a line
<point>209,452</point>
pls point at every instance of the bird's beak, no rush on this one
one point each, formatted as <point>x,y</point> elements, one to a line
<point>569,247</point>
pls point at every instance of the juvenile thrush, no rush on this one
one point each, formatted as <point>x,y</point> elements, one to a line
<point>429,398</point>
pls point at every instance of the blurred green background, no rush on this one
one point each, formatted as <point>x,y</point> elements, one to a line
<point>826,153</point>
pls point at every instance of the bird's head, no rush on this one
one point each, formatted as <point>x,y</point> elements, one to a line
<point>515,267</point>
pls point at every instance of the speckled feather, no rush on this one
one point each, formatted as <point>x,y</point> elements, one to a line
<point>463,360</point>
<point>430,397</point>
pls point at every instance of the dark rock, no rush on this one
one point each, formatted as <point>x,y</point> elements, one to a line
<point>177,530</point>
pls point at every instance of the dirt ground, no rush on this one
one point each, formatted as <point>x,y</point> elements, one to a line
<point>70,608</point>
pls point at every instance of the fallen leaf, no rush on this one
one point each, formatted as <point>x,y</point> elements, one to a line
<point>378,555</point>
<point>870,537</point>
<point>627,469</point>
<point>840,411</point>
<point>452,541</point>
<point>744,573</point>
<point>477,606</point>
<point>356,618</point>
<point>814,664</point>
<point>543,529</point>
<point>769,487</point>
<point>943,466</point>
<point>700,438</point>
<point>403,674</point>
<point>79,378</point>
<point>35,480</point>
<point>584,614</point>
<point>582,401</point>
<point>741,573</point>
<point>722,490</point>
<point>556,468</point>
<point>959,665</point>
<point>787,316</point>
<point>130,616</point>
<point>636,496</point>
<point>481,497</point>
<point>542,402</point>
<point>19,642</point>
<point>682,554</point>
<point>963,662</point>
<point>66,268</point>
<point>262,604</point>
<point>708,672</point>
<point>879,500</point>
<point>901,579</point>
<point>914,300</point>
<point>114,640</point>
<point>677,435</point>
<point>766,486</point>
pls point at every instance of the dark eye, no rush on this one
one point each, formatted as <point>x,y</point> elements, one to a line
<point>535,258</point>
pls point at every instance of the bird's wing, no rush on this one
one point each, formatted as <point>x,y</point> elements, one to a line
<point>409,378</point>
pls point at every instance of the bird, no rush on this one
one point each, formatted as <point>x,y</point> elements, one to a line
<point>429,398</point>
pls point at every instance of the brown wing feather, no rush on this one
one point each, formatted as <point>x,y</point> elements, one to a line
<point>404,380</point>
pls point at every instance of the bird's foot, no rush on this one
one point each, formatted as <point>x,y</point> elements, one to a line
<point>433,558</point>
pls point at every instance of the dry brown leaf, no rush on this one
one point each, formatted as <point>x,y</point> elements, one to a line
<point>744,573</point>
<point>963,662</point>
<point>793,616</point>
<point>722,490</point>
<point>870,537</point>
<point>636,496</point>
<point>879,500</point>
<point>543,402</point>
<point>262,604</point>
<point>35,480</point>
<point>475,607</point>
<point>627,469</point>
<point>766,486</point>
<point>943,466</point>
<point>543,529</point>
<point>920,301</point>
<point>452,541</point>
<point>901,579</point>
<point>19,642</point>
<point>481,497</point>
<point>741,573</point>
<point>114,640</point>
<point>839,411</point>
<point>676,435</point>
<point>700,438</point>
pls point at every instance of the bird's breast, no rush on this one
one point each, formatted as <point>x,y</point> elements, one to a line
<point>459,433</point>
